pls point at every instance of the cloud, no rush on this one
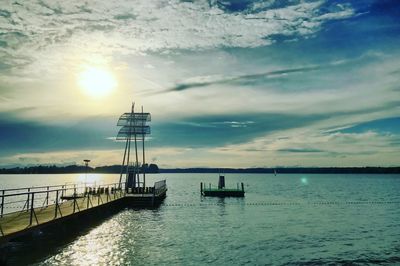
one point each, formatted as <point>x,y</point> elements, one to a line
<point>36,28</point>
<point>207,81</point>
<point>305,74</point>
<point>389,125</point>
<point>308,146</point>
<point>299,150</point>
<point>219,130</point>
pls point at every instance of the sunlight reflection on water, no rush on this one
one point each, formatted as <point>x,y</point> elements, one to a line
<point>100,246</point>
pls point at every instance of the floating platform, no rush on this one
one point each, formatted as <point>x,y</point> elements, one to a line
<point>224,192</point>
<point>221,191</point>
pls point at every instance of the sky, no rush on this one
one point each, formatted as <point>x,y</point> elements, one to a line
<point>239,83</point>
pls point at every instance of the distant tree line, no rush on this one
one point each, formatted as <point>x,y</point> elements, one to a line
<point>53,169</point>
<point>290,170</point>
<point>112,169</point>
<point>153,168</point>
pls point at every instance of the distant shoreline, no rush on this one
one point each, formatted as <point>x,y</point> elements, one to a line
<point>290,170</point>
<point>153,168</point>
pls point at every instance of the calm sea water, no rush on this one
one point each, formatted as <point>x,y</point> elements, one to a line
<point>283,220</point>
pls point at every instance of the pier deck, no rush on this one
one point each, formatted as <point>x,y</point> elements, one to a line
<point>19,221</point>
<point>30,217</point>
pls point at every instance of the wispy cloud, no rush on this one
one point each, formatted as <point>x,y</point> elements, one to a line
<point>206,81</point>
<point>310,147</point>
<point>299,150</point>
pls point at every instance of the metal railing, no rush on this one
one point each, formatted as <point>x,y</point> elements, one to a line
<point>44,203</point>
<point>25,199</point>
<point>204,186</point>
<point>159,187</point>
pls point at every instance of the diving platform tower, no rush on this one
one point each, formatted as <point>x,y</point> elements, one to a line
<point>134,128</point>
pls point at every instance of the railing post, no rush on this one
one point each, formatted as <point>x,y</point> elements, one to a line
<point>32,210</point>
<point>47,197</point>
<point>27,201</point>
<point>2,203</point>
<point>55,213</point>
<point>88,199</point>
<point>74,199</point>
<point>108,193</point>
<point>62,191</point>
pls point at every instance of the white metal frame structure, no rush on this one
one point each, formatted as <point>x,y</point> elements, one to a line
<point>133,127</point>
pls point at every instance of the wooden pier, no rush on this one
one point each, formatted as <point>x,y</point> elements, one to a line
<point>25,210</point>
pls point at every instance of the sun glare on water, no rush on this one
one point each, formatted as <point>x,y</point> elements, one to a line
<point>96,82</point>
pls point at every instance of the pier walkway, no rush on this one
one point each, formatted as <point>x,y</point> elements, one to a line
<point>25,209</point>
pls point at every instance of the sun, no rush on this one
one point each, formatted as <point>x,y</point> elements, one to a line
<point>96,82</point>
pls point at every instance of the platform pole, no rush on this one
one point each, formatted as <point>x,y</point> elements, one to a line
<point>122,166</point>
<point>242,187</point>
<point>136,153</point>
<point>144,158</point>
<point>154,195</point>
<point>201,187</point>
<point>137,161</point>
<point>132,116</point>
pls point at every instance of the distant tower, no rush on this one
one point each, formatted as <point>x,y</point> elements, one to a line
<point>87,161</point>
